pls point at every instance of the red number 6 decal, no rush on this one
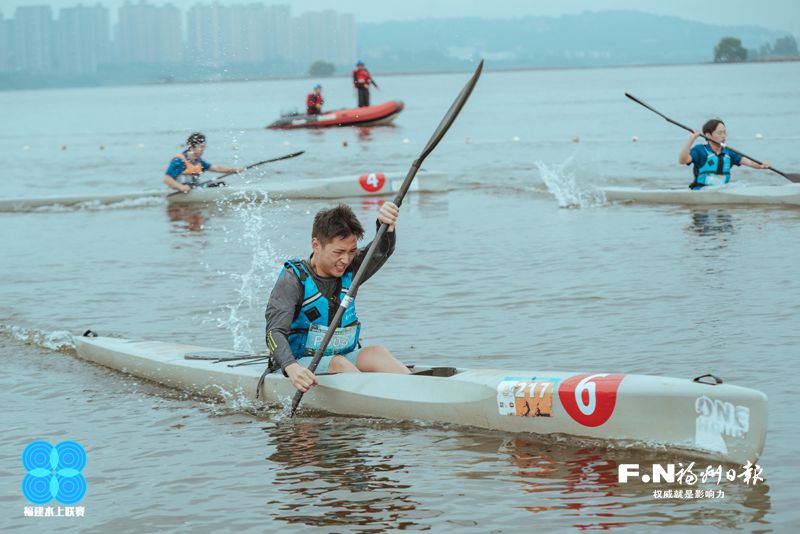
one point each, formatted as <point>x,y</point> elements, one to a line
<point>590,398</point>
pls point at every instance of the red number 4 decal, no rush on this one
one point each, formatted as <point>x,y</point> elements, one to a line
<point>372,182</point>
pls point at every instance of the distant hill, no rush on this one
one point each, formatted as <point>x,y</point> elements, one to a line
<point>588,39</point>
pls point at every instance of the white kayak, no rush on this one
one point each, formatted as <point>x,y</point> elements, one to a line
<point>718,421</point>
<point>369,184</point>
<point>781,195</point>
<point>32,204</point>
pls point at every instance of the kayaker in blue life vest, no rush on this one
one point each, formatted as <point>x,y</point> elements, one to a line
<point>713,161</point>
<point>186,167</point>
<point>307,294</point>
<point>314,101</point>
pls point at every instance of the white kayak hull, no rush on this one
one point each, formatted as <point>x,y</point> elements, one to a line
<point>32,204</point>
<point>372,184</point>
<point>722,422</point>
<point>779,195</point>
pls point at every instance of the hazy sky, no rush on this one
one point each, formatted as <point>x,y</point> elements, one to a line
<point>782,15</point>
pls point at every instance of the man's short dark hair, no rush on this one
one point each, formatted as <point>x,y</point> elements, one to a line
<point>336,222</point>
<point>711,125</point>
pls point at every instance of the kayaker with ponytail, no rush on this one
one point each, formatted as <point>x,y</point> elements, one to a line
<point>186,167</point>
<point>307,295</point>
<point>713,161</point>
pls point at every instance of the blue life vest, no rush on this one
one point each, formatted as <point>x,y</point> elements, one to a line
<point>716,170</point>
<point>313,317</point>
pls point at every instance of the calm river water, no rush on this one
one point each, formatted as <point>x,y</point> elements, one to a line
<point>521,265</point>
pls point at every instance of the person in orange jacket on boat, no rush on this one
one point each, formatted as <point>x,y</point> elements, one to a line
<point>186,167</point>
<point>361,81</point>
<point>314,101</point>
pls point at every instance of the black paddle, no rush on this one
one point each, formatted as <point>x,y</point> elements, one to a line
<point>791,177</point>
<point>437,136</point>
<point>218,178</point>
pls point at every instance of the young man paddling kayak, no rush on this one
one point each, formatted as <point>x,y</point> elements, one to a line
<point>308,292</point>
<point>713,161</point>
<point>185,168</point>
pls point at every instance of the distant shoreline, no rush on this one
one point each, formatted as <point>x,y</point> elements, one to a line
<point>469,70</point>
<point>389,74</point>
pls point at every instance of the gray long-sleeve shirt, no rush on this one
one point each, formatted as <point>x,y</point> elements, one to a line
<point>286,298</point>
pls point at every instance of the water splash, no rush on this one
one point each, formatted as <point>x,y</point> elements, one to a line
<point>564,186</point>
<point>60,340</point>
<point>251,286</point>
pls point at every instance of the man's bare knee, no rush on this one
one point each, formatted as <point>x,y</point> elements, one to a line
<point>376,350</point>
<point>340,364</point>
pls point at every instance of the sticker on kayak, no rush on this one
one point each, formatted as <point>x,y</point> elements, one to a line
<point>590,398</point>
<point>716,419</point>
<point>525,398</point>
<point>372,182</point>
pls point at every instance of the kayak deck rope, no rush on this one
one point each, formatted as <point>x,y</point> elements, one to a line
<point>244,359</point>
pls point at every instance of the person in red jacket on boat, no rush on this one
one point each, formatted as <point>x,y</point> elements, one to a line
<point>314,101</point>
<point>361,81</point>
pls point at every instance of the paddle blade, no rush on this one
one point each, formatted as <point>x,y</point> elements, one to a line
<point>793,177</point>
<point>452,113</point>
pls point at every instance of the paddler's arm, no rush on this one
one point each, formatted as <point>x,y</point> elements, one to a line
<point>222,169</point>
<point>281,308</point>
<point>750,163</point>
<point>388,213</point>
<point>685,156</point>
<point>175,169</point>
<point>176,185</point>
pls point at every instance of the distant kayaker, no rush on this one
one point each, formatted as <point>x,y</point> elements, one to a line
<point>186,167</point>
<point>314,101</point>
<point>307,295</point>
<point>713,161</point>
<point>361,81</point>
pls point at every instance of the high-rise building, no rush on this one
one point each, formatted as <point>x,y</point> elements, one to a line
<point>222,35</point>
<point>79,42</point>
<point>32,39</point>
<point>327,36</point>
<point>277,30</point>
<point>346,39</point>
<point>148,34</point>
<point>205,39</point>
<point>82,39</point>
<point>5,44</point>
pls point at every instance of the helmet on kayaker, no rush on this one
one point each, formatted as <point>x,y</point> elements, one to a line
<point>359,63</point>
<point>196,139</point>
<point>318,86</point>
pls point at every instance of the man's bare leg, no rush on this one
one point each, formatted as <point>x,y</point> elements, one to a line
<point>378,359</point>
